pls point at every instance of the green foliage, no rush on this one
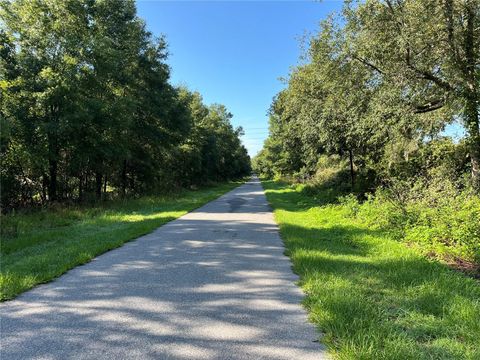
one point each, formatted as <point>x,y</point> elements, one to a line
<point>377,83</point>
<point>372,297</point>
<point>439,221</point>
<point>41,245</point>
<point>426,205</point>
<point>87,111</point>
<point>363,114</point>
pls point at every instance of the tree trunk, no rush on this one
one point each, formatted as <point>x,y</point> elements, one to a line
<point>472,94</point>
<point>352,169</point>
<point>80,188</point>
<point>44,187</point>
<point>132,184</point>
<point>98,185</point>
<point>105,186</point>
<point>124,178</point>
<point>472,124</point>
<point>52,181</point>
<point>53,154</point>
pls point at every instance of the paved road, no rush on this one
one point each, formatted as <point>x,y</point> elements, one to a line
<point>213,284</point>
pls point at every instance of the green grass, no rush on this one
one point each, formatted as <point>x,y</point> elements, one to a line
<point>371,296</point>
<point>40,246</point>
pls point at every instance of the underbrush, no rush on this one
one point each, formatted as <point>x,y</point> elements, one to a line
<point>439,223</point>
<point>444,225</point>
<point>432,213</point>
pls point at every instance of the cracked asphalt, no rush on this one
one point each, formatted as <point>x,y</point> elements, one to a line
<point>213,284</point>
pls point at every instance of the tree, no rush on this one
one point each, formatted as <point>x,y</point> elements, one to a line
<point>376,85</point>
<point>429,50</point>
<point>48,38</point>
<point>86,106</point>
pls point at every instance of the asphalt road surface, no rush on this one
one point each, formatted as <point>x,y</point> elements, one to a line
<point>213,284</point>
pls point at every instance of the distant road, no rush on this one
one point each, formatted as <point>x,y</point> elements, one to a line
<point>213,284</point>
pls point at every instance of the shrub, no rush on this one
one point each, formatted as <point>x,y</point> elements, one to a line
<point>438,219</point>
<point>350,203</point>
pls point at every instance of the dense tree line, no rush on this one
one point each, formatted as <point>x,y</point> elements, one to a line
<point>380,83</point>
<point>87,109</point>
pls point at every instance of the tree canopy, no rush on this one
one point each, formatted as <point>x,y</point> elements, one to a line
<point>87,109</point>
<point>381,81</point>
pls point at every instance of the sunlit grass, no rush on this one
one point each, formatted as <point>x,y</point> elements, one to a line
<point>45,244</point>
<point>371,296</point>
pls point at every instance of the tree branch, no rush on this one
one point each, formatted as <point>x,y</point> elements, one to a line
<point>430,106</point>
<point>366,62</point>
<point>408,60</point>
<point>448,11</point>
<point>429,76</point>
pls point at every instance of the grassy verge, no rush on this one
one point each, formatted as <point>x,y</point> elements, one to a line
<point>373,297</point>
<point>48,243</point>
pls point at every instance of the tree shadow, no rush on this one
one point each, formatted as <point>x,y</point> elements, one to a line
<point>213,284</point>
<point>351,286</point>
<point>357,294</point>
<point>290,198</point>
<point>341,240</point>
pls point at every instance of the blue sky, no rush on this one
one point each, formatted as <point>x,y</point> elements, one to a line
<point>234,52</point>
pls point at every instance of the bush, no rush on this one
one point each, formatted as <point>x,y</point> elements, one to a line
<point>350,203</point>
<point>449,230</point>
<point>438,219</point>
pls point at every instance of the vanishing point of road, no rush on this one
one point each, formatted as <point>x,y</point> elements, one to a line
<point>213,284</point>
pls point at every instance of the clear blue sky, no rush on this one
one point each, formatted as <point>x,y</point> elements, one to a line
<point>234,52</point>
